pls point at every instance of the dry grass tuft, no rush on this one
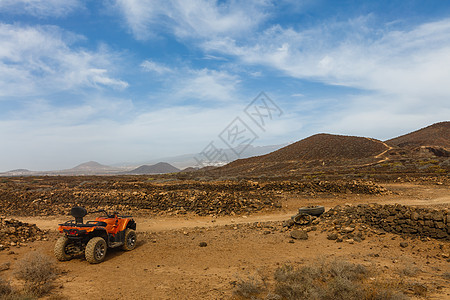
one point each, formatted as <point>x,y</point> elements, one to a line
<point>446,275</point>
<point>409,270</point>
<point>248,288</point>
<point>38,272</point>
<point>338,280</point>
<point>5,288</point>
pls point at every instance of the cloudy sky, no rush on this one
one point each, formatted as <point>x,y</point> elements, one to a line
<point>134,80</point>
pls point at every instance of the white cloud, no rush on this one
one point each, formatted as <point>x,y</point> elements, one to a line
<point>151,66</point>
<point>401,74</point>
<point>38,60</point>
<point>40,8</point>
<point>207,85</point>
<point>382,116</point>
<point>399,62</point>
<point>183,83</point>
<point>196,18</point>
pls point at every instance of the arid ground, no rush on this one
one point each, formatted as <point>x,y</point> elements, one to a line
<point>169,262</point>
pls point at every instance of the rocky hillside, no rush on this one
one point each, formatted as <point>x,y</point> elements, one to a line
<point>320,150</point>
<point>434,135</point>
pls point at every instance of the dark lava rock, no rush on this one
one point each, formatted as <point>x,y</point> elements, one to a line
<point>332,236</point>
<point>299,235</point>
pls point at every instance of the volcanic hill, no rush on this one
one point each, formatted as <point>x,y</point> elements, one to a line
<point>437,134</point>
<point>159,168</point>
<point>320,150</point>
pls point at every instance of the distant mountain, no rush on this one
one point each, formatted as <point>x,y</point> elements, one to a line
<point>437,134</point>
<point>159,168</point>
<point>87,168</point>
<point>188,160</point>
<point>18,172</point>
<point>91,166</point>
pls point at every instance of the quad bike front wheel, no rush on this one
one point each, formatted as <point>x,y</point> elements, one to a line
<point>95,251</point>
<point>61,249</point>
<point>130,240</point>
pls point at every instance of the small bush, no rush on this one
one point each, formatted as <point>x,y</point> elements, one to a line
<point>418,289</point>
<point>5,288</point>
<point>248,288</point>
<point>38,271</point>
<point>337,279</point>
<point>409,270</point>
<point>341,288</point>
<point>349,271</point>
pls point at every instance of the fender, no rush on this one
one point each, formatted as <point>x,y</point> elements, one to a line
<point>126,223</point>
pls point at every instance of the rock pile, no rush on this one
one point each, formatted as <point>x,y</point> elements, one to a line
<point>396,218</point>
<point>56,195</point>
<point>16,233</point>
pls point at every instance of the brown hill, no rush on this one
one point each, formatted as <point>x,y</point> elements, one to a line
<point>315,151</point>
<point>328,147</point>
<point>159,168</point>
<point>434,135</point>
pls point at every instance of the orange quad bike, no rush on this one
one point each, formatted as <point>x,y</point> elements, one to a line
<point>93,238</point>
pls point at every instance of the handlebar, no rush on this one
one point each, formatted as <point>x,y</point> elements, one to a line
<point>106,213</point>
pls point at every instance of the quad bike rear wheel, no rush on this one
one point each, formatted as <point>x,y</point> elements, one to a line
<point>60,249</point>
<point>130,240</point>
<point>95,251</point>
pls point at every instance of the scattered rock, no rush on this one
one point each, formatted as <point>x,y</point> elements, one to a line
<point>403,244</point>
<point>5,266</point>
<point>203,244</point>
<point>288,223</point>
<point>347,229</point>
<point>332,236</point>
<point>357,239</point>
<point>15,233</point>
<point>299,234</point>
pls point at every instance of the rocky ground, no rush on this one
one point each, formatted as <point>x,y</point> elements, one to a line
<point>192,255</point>
<point>56,195</point>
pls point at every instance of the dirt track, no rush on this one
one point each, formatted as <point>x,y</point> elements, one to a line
<point>169,264</point>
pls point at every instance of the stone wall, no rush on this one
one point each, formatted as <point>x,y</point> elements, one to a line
<point>400,219</point>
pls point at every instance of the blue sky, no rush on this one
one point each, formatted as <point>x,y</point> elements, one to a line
<point>116,81</point>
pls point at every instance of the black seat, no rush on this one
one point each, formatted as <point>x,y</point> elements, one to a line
<point>78,213</point>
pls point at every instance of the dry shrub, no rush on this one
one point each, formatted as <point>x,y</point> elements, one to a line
<point>248,288</point>
<point>417,289</point>
<point>446,275</point>
<point>337,280</point>
<point>5,288</point>
<point>294,283</point>
<point>409,270</point>
<point>8,293</point>
<point>38,271</point>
